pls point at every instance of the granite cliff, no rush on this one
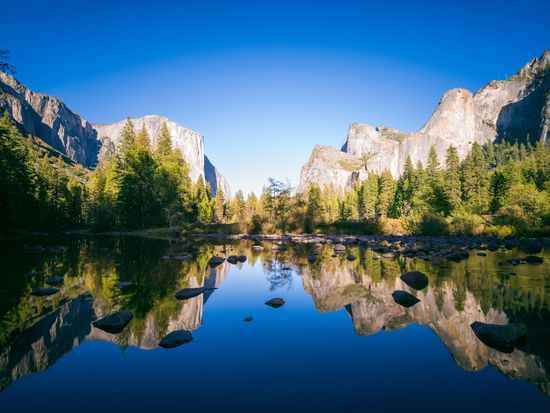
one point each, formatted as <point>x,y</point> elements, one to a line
<point>515,108</point>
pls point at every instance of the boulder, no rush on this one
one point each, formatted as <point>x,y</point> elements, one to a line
<point>215,261</point>
<point>339,248</point>
<point>404,298</point>
<point>351,257</point>
<point>187,293</point>
<point>415,279</point>
<point>257,248</point>
<point>41,292</point>
<point>501,337</point>
<point>248,319</point>
<point>275,302</point>
<point>312,258</point>
<point>533,259</point>
<point>176,338</point>
<point>531,247</point>
<point>54,280</point>
<point>232,259</point>
<point>124,284</point>
<point>241,258</point>
<point>115,322</point>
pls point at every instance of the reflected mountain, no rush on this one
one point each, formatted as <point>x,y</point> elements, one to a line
<point>37,331</point>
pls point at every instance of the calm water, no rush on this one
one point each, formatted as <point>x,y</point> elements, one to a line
<point>339,343</point>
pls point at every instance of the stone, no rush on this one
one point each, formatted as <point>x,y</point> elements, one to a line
<point>215,261</point>
<point>187,293</point>
<point>241,258</point>
<point>533,259</point>
<point>115,322</point>
<point>351,257</point>
<point>257,248</point>
<point>501,337</point>
<point>481,254</point>
<point>42,292</point>
<point>339,248</point>
<point>35,274</point>
<point>176,338</point>
<point>248,319</point>
<point>54,280</point>
<point>404,298</point>
<point>232,259</point>
<point>311,258</point>
<point>124,284</point>
<point>531,247</point>
<point>415,279</point>
<point>275,302</point>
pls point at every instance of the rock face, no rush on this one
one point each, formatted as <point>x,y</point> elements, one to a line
<point>504,109</point>
<point>49,119</point>
<point>189,142</point>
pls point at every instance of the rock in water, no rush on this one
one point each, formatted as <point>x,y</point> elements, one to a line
<point>241,258</point>
<point>415,279</point>
<point>176,338</point>
<point>533,259</point>
<point>124,284</point>
<point>215,261</point>
<point>339,248</point>
<point>404,298</point>
<point>351,257</point>
<point>34,274</point>
<point>275,302</point>
<point>41,292</point>
<point>257,248</point>
<point>311,258</point>
<point>115,322</point>
<point>500,337</point>
<point>54,280</point>
<point>248,319</point>
<point>232,259</point>
<point>187,293</point>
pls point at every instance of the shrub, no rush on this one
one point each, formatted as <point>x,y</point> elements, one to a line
<point>432,224</point>
<point>498,231</point>
<point>462,223</point>
<point>391,226</point>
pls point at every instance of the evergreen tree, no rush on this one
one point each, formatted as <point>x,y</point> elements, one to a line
<point>451,183</point>
<point>164,143</point>
<point>143,138</point>
<point>314,208</point>
<point>127,138</point>
<point>385,193</point>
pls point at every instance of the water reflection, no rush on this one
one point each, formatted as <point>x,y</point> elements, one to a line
<point>36,331</point>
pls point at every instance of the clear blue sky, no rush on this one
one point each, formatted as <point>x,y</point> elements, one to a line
<point>265,81</point>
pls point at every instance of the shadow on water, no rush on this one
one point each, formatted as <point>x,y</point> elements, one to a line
<point>35,332</point>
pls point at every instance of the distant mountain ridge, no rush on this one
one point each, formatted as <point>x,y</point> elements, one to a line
<point>504,109</point>
<point>49,119</point>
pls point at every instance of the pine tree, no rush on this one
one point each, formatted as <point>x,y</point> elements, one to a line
<point>385,193</point>
<point>433,168</point>
<point>143,138</point>
<point>164,143</point>
<point>314,208</point>
<point>451,183</point>
<point>127,138</point>
<point>238,207</point>
<point>219,206</point>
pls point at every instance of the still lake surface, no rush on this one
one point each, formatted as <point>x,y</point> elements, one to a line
<point>339,343</point>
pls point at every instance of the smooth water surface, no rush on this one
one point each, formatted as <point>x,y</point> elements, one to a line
<point>339,343</point>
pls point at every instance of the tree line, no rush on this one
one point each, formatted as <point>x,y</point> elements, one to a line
<point>498,189</point>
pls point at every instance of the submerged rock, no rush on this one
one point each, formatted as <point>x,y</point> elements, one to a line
<point>311,258</point>
<point>415,279</point>
<point>41,292</point>
<point>248,319</point>
<point>532,247</point>
<point>533,259</point>
<point>215,261</point>
<point>232,259</point>
<point>115,322</point>
<point>404,298</point>
<point>176,338</point>
<point>241,258</point>
<point>54,280</point>
<point>124,284</point>
<point>501,337</point>
<point>351,257</point>
<point>187,293</point>
<point>275,302</point>
<point>34,274</point>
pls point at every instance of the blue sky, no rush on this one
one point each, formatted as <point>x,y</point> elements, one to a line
<point>265,81</point>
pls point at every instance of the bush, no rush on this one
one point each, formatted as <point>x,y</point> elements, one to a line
<point>432,224</point>
<point>462,223</point>
<point>498,231</point>
<point>391,226</point>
